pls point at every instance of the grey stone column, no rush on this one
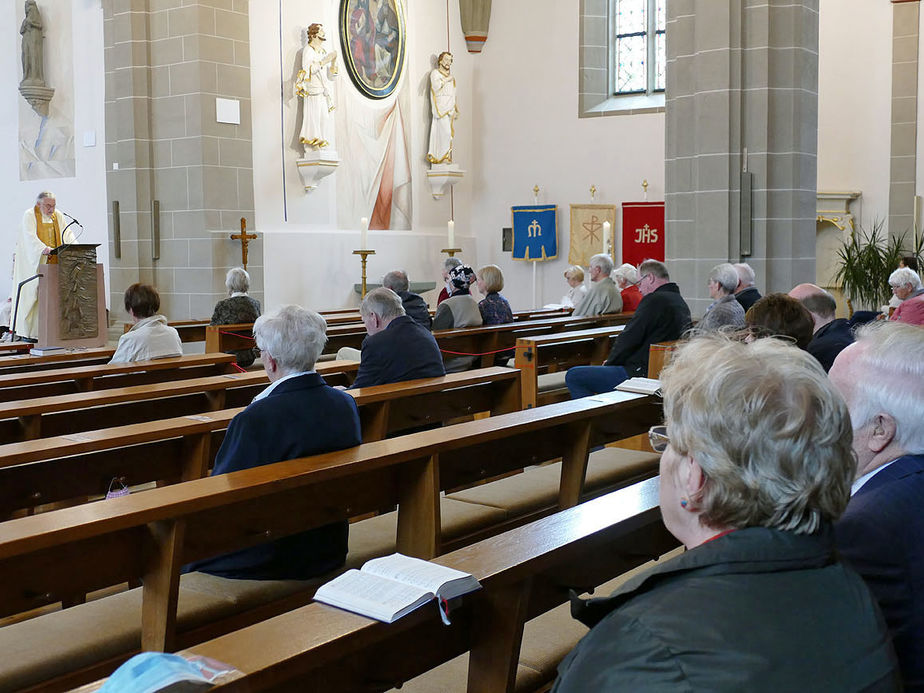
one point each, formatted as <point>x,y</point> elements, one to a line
<point>742,77</point>
<point>166,62</point>
<point>904,139</point>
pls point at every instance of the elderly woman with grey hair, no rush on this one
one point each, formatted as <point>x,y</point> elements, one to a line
<point>725,311</point>
<point>238,308</point>
<point>756,465</point>
<point>906,285</point>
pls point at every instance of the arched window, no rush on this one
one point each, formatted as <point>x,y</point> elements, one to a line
<point>638,49</point>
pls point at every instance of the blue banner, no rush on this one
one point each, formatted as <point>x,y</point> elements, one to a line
<point>535,232</point>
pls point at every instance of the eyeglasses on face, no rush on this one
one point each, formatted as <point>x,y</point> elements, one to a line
<point>657,437</point>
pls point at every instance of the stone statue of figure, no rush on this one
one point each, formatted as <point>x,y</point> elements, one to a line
<point>314,84</point>
<point>33,59</point>
<point>444,110</point>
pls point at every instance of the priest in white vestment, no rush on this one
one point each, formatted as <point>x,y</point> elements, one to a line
<point>444,110</point>
<point>41,230</point>
<point>314,84</point>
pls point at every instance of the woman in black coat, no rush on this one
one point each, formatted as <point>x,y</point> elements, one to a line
<point>756,465</point>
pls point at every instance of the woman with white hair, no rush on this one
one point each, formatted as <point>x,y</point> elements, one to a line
<point>627,281</point>
<point>725,311</point>
<point>756,465</point>
<point>238,308</point>
<point>906,286</point>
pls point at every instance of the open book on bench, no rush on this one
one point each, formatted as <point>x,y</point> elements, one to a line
<point>642,386</point>
<point>389,588</point>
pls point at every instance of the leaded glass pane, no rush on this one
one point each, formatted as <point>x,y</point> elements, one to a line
<point>631,17</point>
<point>660,15</point>
<point>631,59</point>
<point>660,61</point>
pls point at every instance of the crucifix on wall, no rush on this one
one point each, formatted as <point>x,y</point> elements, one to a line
<point>245,239</point>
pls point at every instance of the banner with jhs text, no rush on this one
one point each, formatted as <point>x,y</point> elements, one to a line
<point>642,232</point>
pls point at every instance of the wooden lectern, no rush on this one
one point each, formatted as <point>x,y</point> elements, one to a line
<point>72,299</point>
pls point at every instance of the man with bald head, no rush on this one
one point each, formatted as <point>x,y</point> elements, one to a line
<point>881,534</point>
<point>831,334</point>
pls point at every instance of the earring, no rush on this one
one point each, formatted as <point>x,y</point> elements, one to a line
<point>684,502</point>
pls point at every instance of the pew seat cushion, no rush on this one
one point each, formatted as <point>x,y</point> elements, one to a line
<point>537,487</point>
<point>619,466</point>
<point>548,382</point>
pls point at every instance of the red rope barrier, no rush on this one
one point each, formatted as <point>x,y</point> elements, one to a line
<point>236,334</point>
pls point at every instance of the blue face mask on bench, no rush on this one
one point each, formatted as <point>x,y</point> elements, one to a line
<point>152,671</point>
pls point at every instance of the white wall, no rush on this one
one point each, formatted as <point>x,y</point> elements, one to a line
<point>854,95</point>
<point>307,244</point>
<point>83,196</point>
<point>527,133</point>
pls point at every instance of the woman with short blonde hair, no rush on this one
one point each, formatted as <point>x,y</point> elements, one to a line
<point>574,275</point>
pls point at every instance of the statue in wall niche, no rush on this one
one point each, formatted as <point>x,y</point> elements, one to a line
<point>33,58</point>
<point>314,85</point>
<point>32,86</point>
<point>444,110</point>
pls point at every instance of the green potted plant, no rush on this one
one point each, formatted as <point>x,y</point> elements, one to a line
<point>865,261</point>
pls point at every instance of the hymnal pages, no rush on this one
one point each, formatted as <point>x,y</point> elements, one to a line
<point>642,386</point>
<point>391,587</point>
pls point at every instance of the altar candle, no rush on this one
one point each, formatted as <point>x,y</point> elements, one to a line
<point>606,235</point>
<point>364,231</point>
<point>451,227</point>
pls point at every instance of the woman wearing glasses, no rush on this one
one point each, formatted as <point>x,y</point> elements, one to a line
<point>756,465</point>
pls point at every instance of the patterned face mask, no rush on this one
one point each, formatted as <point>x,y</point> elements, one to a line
<point>117,489</point>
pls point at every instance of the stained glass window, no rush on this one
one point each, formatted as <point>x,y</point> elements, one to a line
<point>639,42</point>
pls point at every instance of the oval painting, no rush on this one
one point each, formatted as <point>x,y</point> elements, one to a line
<point>372,36</point>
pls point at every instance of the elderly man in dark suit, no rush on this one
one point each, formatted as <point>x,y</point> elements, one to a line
<point>397,348</point>
<point>832,335</point>
<point>746,292</point>
<point>296,416</point>
<point>414,305</point>
<point>881,533</point>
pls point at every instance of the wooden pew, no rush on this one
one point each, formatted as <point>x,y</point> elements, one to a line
<point>557,352</point>
<point>189,330</point>
<point>70,414</point>
<point>63,554</point>
<point>63,468</point>
<point>15,347</point>
<point>524,573</point>
<point>659,355</point>
<point>494,338</point>
<point>61,381</point>
<point>23,363</point>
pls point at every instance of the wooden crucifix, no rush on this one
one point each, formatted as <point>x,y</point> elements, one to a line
<point>244,238</point>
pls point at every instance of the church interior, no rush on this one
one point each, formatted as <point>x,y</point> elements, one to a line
<point>178,135</point>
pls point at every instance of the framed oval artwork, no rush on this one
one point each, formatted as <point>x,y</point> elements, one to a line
<point>373,38</point>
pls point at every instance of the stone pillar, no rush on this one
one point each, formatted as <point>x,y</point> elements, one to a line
<point>904,140</point>
<point>741,77</point>
<point>166,63</point>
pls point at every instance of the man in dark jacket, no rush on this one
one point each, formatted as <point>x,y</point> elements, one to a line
<point>662,315</point>
<point>746,293</point>
<point>881,534</point>
<point>831,334</point>
<point>296,416</point>
<point>414,305</point>
<point>397,348</point>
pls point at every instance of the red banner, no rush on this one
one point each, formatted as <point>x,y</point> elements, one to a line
<point>642,232</point>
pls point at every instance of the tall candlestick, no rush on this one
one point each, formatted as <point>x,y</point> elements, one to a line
<point>451,228</point>
<point>606,235</point>
<point>364,232</point>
